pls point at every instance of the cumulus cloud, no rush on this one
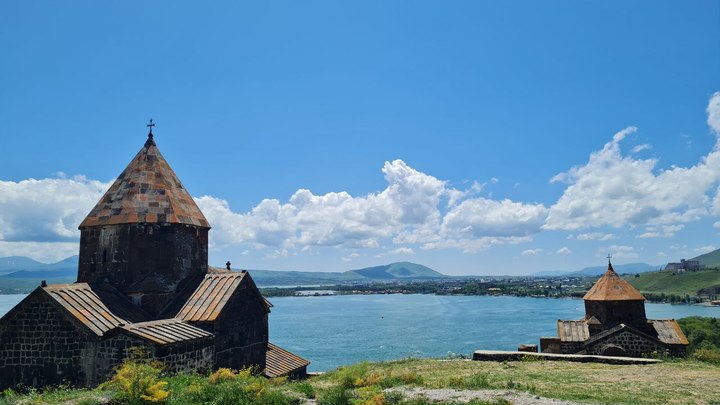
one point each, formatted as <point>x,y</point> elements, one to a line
<point>664,231</point>
<point>564,251</point>
<point>616,190</point>
<point>619,252</point>
<point>414,208</point>
<point>713,112</point>
<point>403,251</point>
<point>531,252</point>
<point>46,210</point>
<point>595,236</point>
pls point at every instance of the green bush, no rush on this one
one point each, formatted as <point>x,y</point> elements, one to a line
<point>338,395</point>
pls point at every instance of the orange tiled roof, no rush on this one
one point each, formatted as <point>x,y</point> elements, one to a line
<point>612,287</point>
<point>167,331</point>
<point>210,297</point>
<point>669,331</point>
<point>86,306</point>
<point>572,331</point>
<point>147,191</point>
<point>279,362</point>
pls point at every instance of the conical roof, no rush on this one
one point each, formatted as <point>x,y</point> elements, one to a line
<point>611,287</point>
<point>147,191</point>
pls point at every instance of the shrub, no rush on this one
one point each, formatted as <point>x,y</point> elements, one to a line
<point>138,382</point>
<point>338,395</point>
<point>707,355</point>
<point>305,389</point>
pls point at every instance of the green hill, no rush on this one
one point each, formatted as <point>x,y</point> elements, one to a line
<point>403,270</point>
<point>711,259</point>
<point>680,284</point>
<point>388,272</point>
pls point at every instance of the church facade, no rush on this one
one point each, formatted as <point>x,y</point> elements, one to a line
<point>615,324</point>
<point>143,281</point>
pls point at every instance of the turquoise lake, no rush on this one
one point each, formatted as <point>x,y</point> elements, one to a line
<point>334,330</point>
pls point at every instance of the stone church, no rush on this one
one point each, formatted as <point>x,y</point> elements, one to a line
<point>143,281</point>
<point>615,325</point>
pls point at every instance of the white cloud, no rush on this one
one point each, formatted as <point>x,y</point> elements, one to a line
<point>596,236</point>
<point>619,252</point>
<point>612,189</point>
<point>46,210</point>
<point>403,251</point>
<point>564,250</point>
<point>531,252</point>
<point>46,252</point>
<point>409,210</point>
<point>704,249</point>
<point>350,257</point>
<point>662,254</point>
<point>664,231</point>
<point>640,148</point>
<point>713,112</point>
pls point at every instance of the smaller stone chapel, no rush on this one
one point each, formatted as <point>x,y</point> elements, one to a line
<point>143,281</point>
<point>615,325</point>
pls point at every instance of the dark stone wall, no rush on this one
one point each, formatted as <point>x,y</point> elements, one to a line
<point>632,344</point>
<point>611,313</point>
<point>193,356</point>
<point>40,346</point>
<point>148,262</point>
<point>196,356</point>
<point>241,331</point>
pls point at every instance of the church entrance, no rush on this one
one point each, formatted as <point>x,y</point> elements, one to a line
<point>613,350</point>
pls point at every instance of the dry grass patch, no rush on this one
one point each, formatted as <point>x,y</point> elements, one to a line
<point>673,382</point>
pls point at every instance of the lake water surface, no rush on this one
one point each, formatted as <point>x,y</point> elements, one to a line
<point>334,330</point>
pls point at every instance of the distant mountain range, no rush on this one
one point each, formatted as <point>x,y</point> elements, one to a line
<point>388,272</point>
<point>711,259</point>
<point>18,273</point>
<point>629,268</point>
<point>13,264</point>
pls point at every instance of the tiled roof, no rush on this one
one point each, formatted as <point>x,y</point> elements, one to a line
<point>86,306</point>
<point>279,362</point>
<point>669,331</point>
<point>147,191</point>
<point>167,331</point>
<point>612,287</point>
<point>210,297</point>
<point>572,331</point>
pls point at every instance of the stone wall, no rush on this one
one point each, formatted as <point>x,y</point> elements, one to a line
<point>146,261</point>
<point>632,344</point>
<point>611,313</point>
<point>571,347</point>
<point>188,357</point>
<point>39,345</point>
<point>241,331</point>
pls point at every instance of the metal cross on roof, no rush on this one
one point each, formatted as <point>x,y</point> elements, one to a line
<point>609,257</point>
<point>151,125</point>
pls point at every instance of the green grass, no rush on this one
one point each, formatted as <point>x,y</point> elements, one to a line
<point>679,284</point>
<point>670,382</point>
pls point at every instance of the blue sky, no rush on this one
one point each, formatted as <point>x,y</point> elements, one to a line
<point>473,137</point>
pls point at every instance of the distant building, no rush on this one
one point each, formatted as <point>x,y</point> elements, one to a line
<point>685,265</point>
<point>615,325</point>
<point>143,281</point>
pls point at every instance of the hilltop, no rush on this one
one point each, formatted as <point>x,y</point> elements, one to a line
<point>710,259</point>
<point>387,272</point>
<point>670,282</point>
